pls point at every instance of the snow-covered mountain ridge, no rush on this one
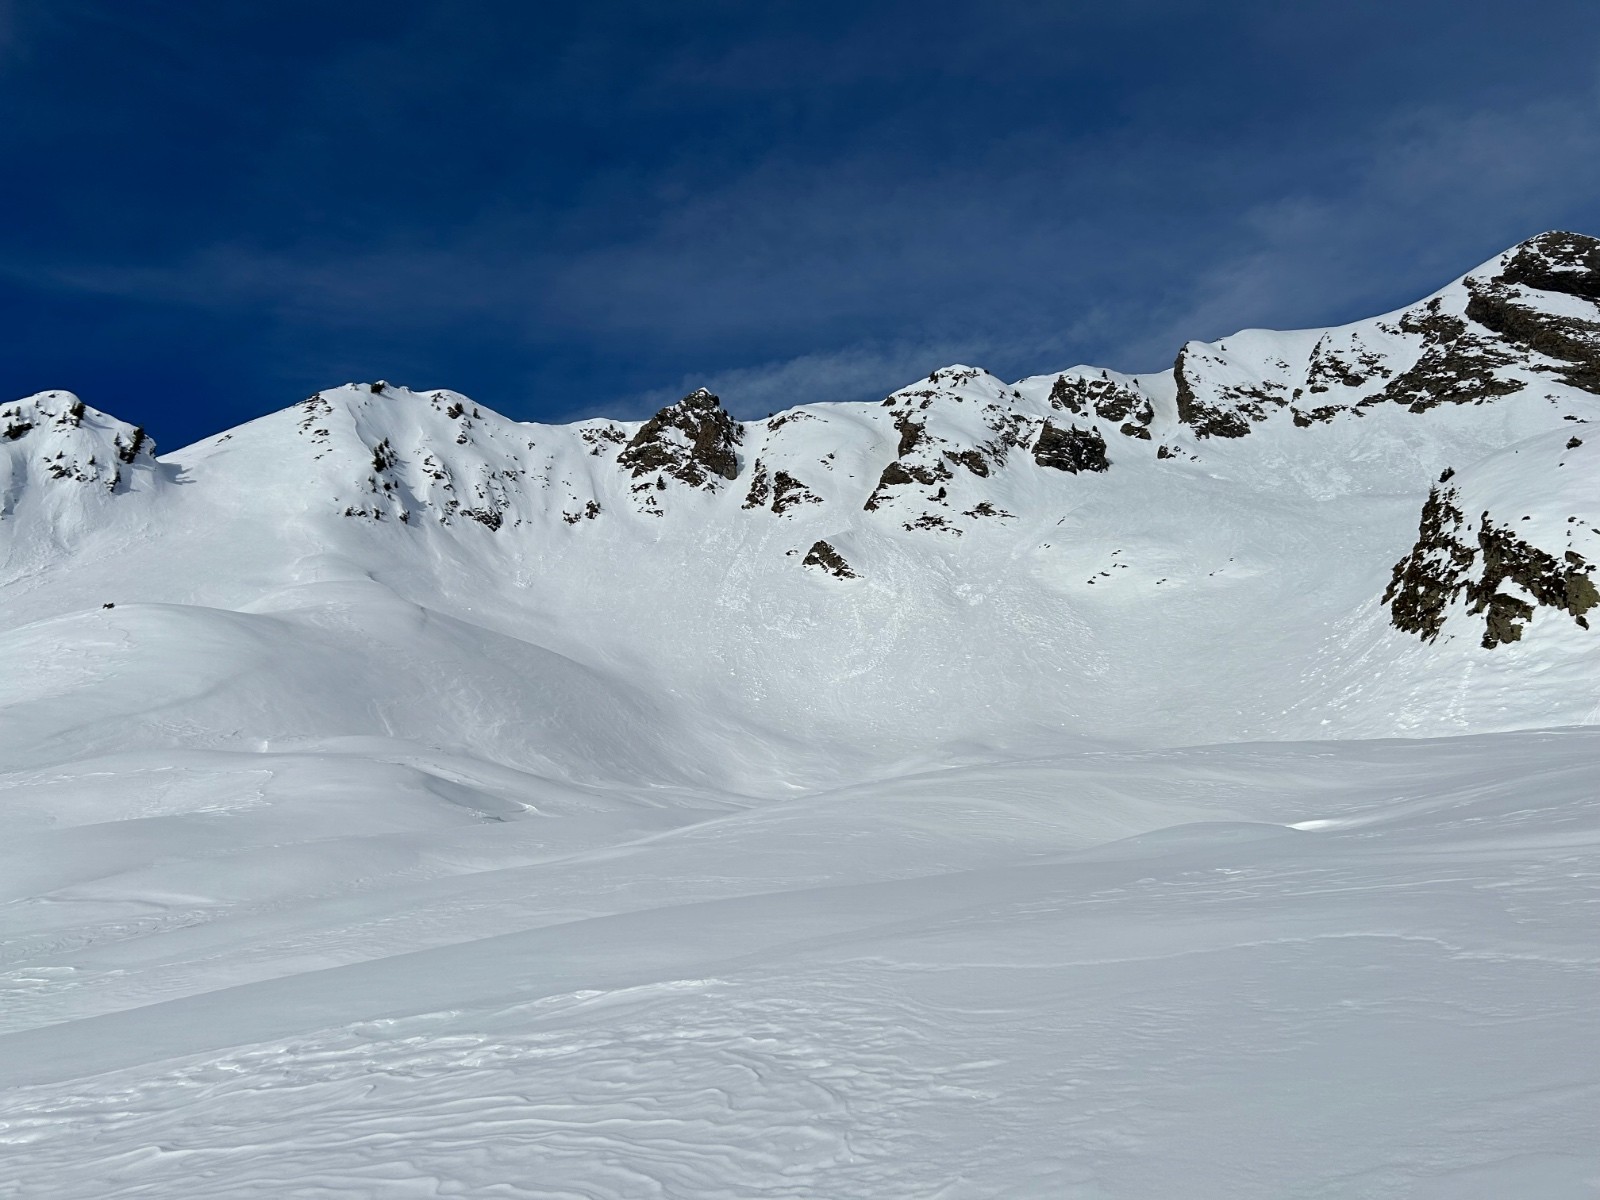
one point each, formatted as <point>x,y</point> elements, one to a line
<point>1084,524</point>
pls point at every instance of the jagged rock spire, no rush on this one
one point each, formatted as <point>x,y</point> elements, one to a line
<point>691,441</point>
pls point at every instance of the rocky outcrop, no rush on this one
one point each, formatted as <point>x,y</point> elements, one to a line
<point>1205,418</point>
<point>1429,578</point>
<point>1561,262</point>
<point>1115,403</point>
<point>760,487</point>
<point>1456,366</point>
<point>1495,570</point>
<point>926,469</point>
<point>1572,341</point>
<point>899,474</point>
<point>1525,318</point>
<point>1072,450</point>
<point>781,489</point>
<point>823,557</point>
<point>788,492</point>
<point>1565,583</point>
<point>693,441</point>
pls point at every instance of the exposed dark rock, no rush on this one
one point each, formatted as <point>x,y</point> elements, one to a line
<point>1206,420</point>
<point>313,410</point>
<point>895,475</point>
<point>1427,579</point>
<point>1557,262</point>
<point>1072,450</point>
<point>954,376</point>
<point>1566,339</point>
<point>1352,368</point>
<point>1455,367</point>
<point>911,434</point>
<point>1445,565</point>
<point>1105,398</point>
<point>691,441</point>
<point>599,439</point>
<point>1435,325</point>
<point>1325,412</point>
<point>130,451</point>
<point>931,521</point>
<point>776,423</point>
<point>1120,403</point>
<point>972,460</point>
<point>984,509</point>
<point>898,474</point>
<point>1551,582</point>
<point>787,492</point>
<point>782,489</point>
<point>1011,430</point>
<point>824,557</point>
<point>1065,393</point>
<point>760,487</point>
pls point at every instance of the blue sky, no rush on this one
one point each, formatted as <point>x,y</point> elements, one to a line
<point>211,210</point>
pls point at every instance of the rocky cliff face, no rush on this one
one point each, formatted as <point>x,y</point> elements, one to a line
<point>1502,543</point>
<point>693,441</point>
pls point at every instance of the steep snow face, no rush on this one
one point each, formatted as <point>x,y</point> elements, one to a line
<point>61,465</point>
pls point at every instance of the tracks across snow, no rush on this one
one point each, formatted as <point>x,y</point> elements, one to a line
<point>1395,1001</point>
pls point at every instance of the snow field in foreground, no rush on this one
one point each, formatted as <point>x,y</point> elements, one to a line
<point>1176,995</point>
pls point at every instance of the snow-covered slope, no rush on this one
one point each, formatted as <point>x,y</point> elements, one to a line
<point>503,789</point>
<point>968,567</point>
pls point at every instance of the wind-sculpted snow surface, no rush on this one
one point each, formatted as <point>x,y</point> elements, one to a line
<point>399,799</point>
<point>1354,971</point>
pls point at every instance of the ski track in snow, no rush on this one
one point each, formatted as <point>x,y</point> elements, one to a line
<point>1396,1001</point>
